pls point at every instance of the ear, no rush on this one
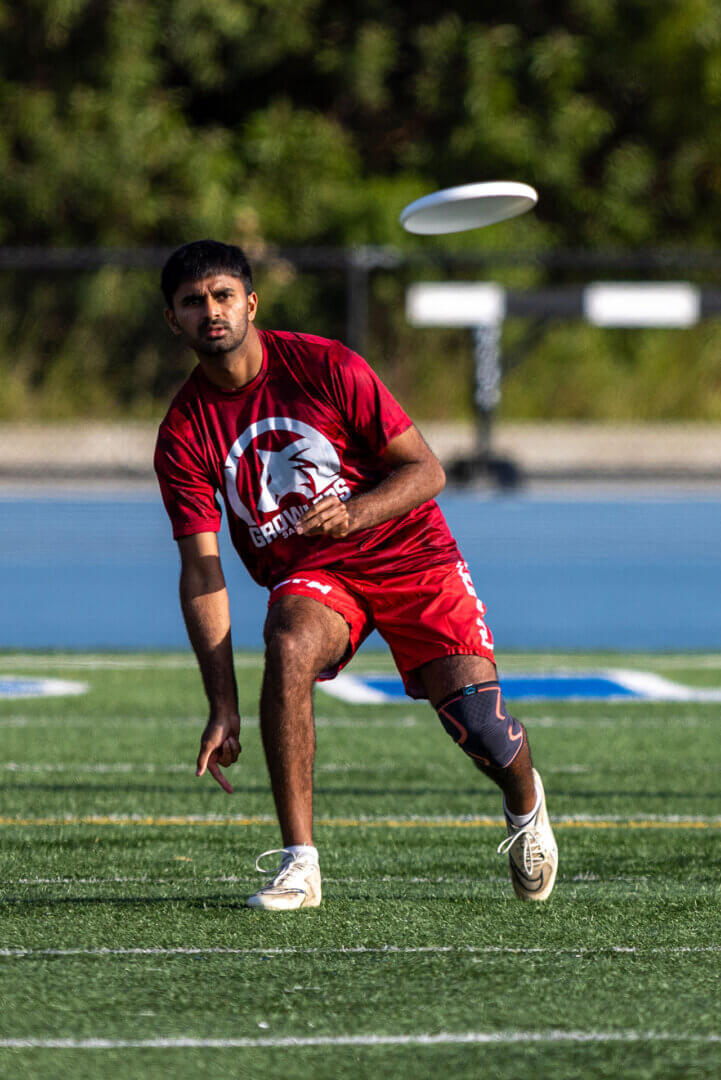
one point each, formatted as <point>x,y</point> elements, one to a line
<point>252,305</point>
<point>172,321</point>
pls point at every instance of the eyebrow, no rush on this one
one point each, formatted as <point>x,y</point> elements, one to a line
<point>197,294</point>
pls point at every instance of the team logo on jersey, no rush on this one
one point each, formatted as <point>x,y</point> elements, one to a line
<point>283,465</point>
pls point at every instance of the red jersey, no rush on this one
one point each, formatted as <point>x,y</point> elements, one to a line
<point>313,422</point>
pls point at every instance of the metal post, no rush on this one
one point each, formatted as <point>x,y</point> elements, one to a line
<point>486,383</point>
<point>483,464</point>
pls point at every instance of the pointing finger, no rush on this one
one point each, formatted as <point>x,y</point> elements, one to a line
<point>214,770</point>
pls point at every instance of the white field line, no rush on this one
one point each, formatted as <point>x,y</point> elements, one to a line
<point>540,662</point>
<point>655,687</point>
<point>100,662</point>
<point>703,715</point>
<point>384,879</point>
<point>167,723</point>
<point>584,878</point>
<point>443,1038</point>
<point>364,950</point>
<point>95,767</point>
<point>392,766</point>
<point>484,820</point>
<point>698,821</point>
<point>644,685</point>
<point>512,661</point>
<point>149,767</point>
<point>15,687</point>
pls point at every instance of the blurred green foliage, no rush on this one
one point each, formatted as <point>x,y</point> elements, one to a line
<point>276,123</point>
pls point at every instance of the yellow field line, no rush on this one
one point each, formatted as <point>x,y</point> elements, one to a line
<point>350,823</point>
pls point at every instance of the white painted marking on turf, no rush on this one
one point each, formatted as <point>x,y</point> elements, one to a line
<point>96,767</point>
<point>634,889</point>
<point>16,687</point>
<point>443,1038</point>
<point>697,719</point>
<point>398,821</point>
<point>537,662</point>
<point>645,685</point>
<point>513,662</point>
<point>352,688</point>
<point>368,766</point>
<point>164,722</point>
<point>657,688</point>
<point>148,767</point>
<point>374,767</point>
<point>366,722</point>
<point>664,720</point>
<point>110,663</point>
<point>360,950</point>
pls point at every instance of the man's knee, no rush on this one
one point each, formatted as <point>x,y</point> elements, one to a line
<point>290,649</point>
<point>477,720</point>
<point>302,638</point>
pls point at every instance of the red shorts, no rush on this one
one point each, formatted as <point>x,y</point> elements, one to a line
<point>422,616</point>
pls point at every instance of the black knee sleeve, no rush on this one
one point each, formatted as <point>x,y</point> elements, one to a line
<point>477,720</point>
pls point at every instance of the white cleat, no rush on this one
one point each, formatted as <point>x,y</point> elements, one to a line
<point>294,884</point>
<point>532,853</point>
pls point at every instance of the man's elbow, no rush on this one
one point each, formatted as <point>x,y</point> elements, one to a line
<point>201,577</point>
<point>436,477</point>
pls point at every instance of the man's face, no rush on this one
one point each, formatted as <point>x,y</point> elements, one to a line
<point>212,314</point>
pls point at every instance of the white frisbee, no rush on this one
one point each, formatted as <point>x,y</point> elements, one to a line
<point>469,206</point>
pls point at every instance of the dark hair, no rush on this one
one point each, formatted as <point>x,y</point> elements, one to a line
<point>198,260</point>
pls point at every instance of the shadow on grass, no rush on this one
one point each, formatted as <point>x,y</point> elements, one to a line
<point>236,902</point>
<point>216,901</point>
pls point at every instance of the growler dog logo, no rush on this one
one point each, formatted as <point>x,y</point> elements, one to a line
<point>281,465</point>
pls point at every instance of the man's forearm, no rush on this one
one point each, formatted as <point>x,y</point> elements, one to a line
<point>408,486</point>
<point>416,475</point>
<point>207,617</point>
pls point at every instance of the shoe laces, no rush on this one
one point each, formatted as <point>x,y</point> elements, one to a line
<point>533,851</point>
<point>283,874</point>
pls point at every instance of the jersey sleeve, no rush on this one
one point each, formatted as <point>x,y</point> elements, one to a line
<point>188,493</point>
<point>365,401</point>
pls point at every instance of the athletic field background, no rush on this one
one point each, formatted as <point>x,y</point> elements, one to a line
<point>126,949</point>
<point>604,567</point>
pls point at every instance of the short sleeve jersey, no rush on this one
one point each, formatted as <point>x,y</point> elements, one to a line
<point>314,421</point>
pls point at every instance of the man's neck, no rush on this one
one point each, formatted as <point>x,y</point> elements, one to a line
<point>234,370</point>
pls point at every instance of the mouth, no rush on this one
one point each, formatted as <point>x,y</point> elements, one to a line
<point>214,332</point>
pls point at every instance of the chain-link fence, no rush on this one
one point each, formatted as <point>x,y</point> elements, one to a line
<point>82,333</point>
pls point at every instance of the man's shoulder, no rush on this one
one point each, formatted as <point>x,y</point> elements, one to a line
<point>295,339</point>
<point>178,420</point>
<point>183,400</point>
<point>311,349</point>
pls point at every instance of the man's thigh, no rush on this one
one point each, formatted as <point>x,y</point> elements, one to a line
<point>434,624</point>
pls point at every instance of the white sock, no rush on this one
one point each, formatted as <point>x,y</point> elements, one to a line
<point>519,820</point>
<point>308,851</point>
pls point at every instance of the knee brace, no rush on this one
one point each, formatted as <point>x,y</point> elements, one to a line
<point>477,720</point>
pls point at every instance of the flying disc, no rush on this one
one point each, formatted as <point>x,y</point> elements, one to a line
<point>469,206</point>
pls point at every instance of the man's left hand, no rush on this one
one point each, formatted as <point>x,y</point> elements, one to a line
<point>328,517</point>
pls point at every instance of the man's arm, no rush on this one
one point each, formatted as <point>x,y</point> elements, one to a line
<point>204,601</point>
<point>417,476</point>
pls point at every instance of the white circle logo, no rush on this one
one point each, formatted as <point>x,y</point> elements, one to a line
<point>304,467</point>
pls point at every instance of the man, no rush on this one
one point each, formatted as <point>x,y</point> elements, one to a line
<point>328,490</point>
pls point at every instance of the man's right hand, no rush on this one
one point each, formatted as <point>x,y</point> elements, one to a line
<point>219,745</point>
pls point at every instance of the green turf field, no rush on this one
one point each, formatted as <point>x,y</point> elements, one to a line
<point>123,879</point>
